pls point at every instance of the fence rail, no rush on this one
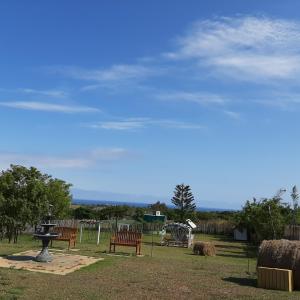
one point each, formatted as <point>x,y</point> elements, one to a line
<point>292,232</point>
<point>221,227</point>
<point>214,227</point>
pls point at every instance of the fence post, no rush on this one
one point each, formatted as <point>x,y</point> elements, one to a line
<point>98,236</point>
<point>80,232</point>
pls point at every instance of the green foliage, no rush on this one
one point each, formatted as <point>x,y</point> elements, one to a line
<point>295,198</point>
<point>59,195</point>
<point>25,194</point>
<point>84,212</point>
<point>214,215</point>
<point>183,200</point>
<point>162,207</point>
<point>264,219</point>
<point>139,214</point>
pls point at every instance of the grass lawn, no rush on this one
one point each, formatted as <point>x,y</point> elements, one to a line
<point>171,273</point>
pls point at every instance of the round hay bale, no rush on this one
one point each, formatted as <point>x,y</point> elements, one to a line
<point>204,248</point>
<point>281,254</point>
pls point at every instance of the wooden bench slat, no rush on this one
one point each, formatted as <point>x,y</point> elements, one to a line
<point>65,234</point>
<point>126,238</point>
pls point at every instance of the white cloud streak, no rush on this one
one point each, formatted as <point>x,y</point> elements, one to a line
<point>115,73</point>
<point>47,93</point>
<point>48,107</point>
<point>195,97</point>
<point>140,123</point>
<point>285,101</point>
<point>85,160</point>
<point>232,114</point>
<point>248,48</point>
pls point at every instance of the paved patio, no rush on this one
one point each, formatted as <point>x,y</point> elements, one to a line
<point>62,263</point>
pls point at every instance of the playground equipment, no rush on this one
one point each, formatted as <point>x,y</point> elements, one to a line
<point>178,234</point>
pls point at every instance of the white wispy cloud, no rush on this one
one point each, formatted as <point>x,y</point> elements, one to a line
<point>49,107</point>
<point>251,48</point>
<point>48,93</point>
<point>196,97</point>
<point>139,123</point>
<point>83,160</point>
<point>233,114</point>
<point>114,73</point>
<point>285,101</point>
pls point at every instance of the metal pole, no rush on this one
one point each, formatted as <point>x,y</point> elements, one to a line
<point>98,237</point>
<point>80,232</point>
<point>152,242</point>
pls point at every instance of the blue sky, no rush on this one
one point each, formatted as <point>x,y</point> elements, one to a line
<point>134,97</point>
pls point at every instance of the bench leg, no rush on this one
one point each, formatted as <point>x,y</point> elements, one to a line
<point>69,244</point>
<point>114,248</point>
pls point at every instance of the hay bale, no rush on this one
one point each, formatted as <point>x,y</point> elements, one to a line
<point>204,248</point>
<point>281,254</point>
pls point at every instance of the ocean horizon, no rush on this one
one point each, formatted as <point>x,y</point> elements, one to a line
<point>137,204</point>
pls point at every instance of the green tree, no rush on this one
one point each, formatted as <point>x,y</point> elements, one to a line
<point>83,212</point>
<point>25,194</point>
<point>183,200</point>
<point>119,212</point>
<point>162,207</point>
<point>139,214</point>
<point>264,219</point>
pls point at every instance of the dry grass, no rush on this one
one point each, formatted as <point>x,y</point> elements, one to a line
<point>172,273</point>
<point>204,248</point>
<point>281,254</point>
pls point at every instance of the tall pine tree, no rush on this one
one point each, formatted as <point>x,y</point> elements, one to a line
<point>183,199</point>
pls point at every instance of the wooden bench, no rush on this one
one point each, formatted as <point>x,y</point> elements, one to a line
<point>65,234</point>
<point>126,238</point>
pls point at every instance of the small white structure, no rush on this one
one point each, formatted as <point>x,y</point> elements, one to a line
<point>240,234</point>
<point>157,213</point>
<point>191,223</point>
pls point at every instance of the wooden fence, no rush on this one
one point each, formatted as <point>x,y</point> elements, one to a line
<point>292,232</point>
<point>221,227</point>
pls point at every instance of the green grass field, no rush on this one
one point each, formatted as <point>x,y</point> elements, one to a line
<point>171,273</point>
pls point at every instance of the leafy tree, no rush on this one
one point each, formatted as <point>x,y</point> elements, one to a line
<point>83,212</point>
<point>183,200</point>
<point>25,194</point>
<point>264,219</point>
<point>58,194</point>
<point>139,214</point>
<point>109,212</point>
<point>119,211</point>
<point>162,207</point>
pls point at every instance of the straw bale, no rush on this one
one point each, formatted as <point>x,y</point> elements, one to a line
<point>204,248</point>
<point>281,254</point>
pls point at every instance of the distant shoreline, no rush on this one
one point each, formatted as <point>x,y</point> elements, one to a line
<point>137,204</point>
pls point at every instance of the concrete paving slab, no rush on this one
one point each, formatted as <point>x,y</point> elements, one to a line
<point>62,263</point>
